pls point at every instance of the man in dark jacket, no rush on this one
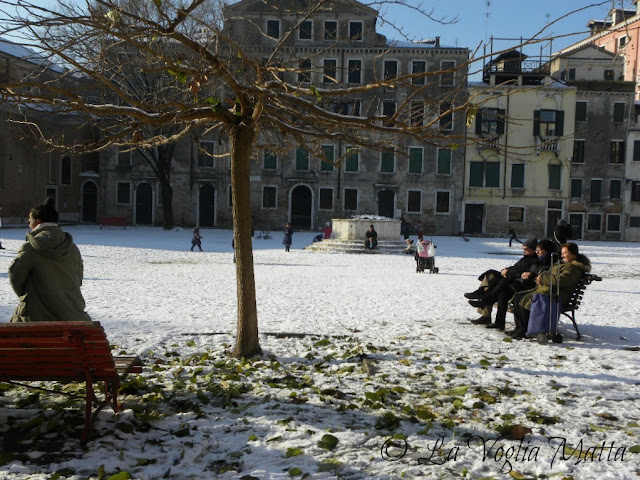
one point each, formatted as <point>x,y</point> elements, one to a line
<point>47,273</point>
<point>497,286</point>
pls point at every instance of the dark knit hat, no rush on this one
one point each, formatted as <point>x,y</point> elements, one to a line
<point>547,245</point>
<point>531,243</point>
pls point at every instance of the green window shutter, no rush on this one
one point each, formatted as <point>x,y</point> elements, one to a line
<point>479,122</point>
<point>328,151</point>
<point>559,123</point>
<point>415,160</point>
<point>517,175</point>
<point>351,162</point>
<point>636,150</point>
<point>387,163</point>
<point>493,174</point>
<point>576,188</point>
<point>581,111</point>
<point>536,123</point>
<point>444,161</point>
<point>270,160</point>
<point>476,174</point>
<point>302,159</point>
<point>618,112</point>
<point>501,120</point>
<point>555,177</point>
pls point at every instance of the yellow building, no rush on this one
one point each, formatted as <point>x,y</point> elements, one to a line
<point>519,149</point>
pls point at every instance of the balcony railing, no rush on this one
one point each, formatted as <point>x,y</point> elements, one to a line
<point>490,143</point>
<point>547,144</point>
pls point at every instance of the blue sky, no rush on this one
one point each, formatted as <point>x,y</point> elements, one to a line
<point>478,21</point>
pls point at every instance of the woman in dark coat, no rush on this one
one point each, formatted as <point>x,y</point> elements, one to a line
<point>47,273</point>
<point>288,234</point>
<point>566,275</point>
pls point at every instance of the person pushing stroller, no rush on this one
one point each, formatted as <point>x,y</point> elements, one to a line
<point>425,255</point>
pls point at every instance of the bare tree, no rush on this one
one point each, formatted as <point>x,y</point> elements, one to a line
<point>234,77</point>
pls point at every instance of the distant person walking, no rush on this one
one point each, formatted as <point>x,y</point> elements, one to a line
<point>1,247</point>
<point>511,233</point>
<point>47,272</point>
<point>197,239</point>
<point>288,236</point>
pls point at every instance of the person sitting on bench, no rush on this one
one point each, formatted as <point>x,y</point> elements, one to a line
<point>47,272</point>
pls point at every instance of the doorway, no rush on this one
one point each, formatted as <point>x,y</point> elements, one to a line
<point>206,206</point>
<point>90,202</point>
<point>473,218</point>
<point>301,207</point>
<point>144,204</point>
<point>576,220</point>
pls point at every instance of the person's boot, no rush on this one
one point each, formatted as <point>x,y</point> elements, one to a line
<point>496,326</point>
<point>478,303</point>
<point>481,321</point>
<point>477,294</point>
<point>518,334</point>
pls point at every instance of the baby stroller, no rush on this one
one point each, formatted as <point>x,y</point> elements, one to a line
<point>426,256</point>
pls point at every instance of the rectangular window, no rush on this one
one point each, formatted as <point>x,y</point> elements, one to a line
<point>415,159</point>
<point>304,71</point>
<point>635,191</point>
<point>578,151</point>
<point>326,199</point>
<point>446,116</point>
<point>388,108</point>
<point>205,154</point>
<point>302,158</point>
<point>352,160</point>
<point>572,74</point>
<point>417,114</point>
<point>53,170</point>
<point>615,189</point>
<point>269,160</point>
<point>617,151</point>
<point>618,112</point>
<point>613,223</point>
<point>447,70</point>
<point>636,150</point>
<point>594,222</point>
<point>595,196</point>
<point>350,199</point>
<point>124,157</point>
<point>330,30</point>
<point>484,174</point>
<point>273,28</point>
<point>354,75</point>
<point>347,107</point>
<point>609,75</point>
<point>414,201</point>
<point>576,188</point>
<point>387,162</point>
<point>442,202</point>
<point>548,123</point>
<point>390,68</point>
<point>268,197</point>
<point>490,122</point>
<point>326,164</point>
<point>329,70</point>
<point>355,30</point>
<point>555,177</point>
<point>634,222</point>
<point>305,32</point>
<point>515,214</point>
<point>443,166</point>
<point>123,195</point>
<point>517,175</point>
<point>581,111</point>
<point>65,171</point>
<point>418,69</point>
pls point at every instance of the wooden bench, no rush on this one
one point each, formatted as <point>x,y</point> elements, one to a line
<point>113,222</point>
<point>65,352</point>
<point>569,310</point>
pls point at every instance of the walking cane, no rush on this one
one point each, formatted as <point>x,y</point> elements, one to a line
<point>543,338</point>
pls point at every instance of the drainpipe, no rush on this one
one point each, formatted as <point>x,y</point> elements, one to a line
<point>506,143</point>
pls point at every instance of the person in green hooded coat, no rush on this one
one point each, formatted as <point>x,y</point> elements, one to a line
<point>47,272</point>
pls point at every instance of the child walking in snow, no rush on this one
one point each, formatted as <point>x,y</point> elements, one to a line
<point>196,240</point>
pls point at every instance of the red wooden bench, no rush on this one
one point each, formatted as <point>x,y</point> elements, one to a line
<point>65,352</point>
<point>113,222</point>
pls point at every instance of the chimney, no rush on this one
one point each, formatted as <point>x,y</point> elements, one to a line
<point>437,41</point>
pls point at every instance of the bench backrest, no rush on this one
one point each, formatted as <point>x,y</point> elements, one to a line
<point>61,351</point>
<point>576,296</point>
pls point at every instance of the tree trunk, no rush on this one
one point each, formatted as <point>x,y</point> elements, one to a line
<point>167,204</point>
<point>247,344</point>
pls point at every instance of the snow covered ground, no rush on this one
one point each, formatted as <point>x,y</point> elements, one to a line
<point>369,370</point>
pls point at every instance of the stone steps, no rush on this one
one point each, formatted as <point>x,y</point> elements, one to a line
<point>343,246</point>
